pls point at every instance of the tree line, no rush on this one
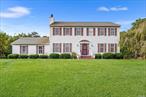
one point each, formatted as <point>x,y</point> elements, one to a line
<point>132,42</point>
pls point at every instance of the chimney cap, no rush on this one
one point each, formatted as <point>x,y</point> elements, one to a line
<point>51,15</point>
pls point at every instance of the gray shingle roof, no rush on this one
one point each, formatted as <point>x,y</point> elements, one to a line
<point>84,24</point>
<point>31,41</point>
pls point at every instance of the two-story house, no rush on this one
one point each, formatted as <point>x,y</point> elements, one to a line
<point>83,38</point>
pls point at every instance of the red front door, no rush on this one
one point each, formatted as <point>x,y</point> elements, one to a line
<point>84,49</point>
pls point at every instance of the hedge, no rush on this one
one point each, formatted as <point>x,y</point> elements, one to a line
<point>65,56</point>
<point>108,56</point>
<point>54,56</point>
<point>23,56</point>
<point>43,56</point>
<point>13,56</point>
<point>98,56</point>
<point>33,56</point>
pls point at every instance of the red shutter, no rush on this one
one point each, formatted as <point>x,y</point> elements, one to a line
<point>75,31</point>
<point>82,31</point>
<point>105,32</point>
<point>70,47</point>
<point>53,47</point>
<point>115,31</point>
<point>70,31</point>
<point>108,31</point>
<point>87,31</point>
<point>115,47</point>
<point>109,46</point>
<point>94,31</point>
<point>63,47</point>
<point>98,47</point>
<point>63,31</point>
<point>60,31</point>
<point>53,31</point>
<point>60,47</point>
<point>105,47</point>
<point>98,31</point>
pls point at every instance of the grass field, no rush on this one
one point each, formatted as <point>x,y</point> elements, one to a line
<point>72,78</point>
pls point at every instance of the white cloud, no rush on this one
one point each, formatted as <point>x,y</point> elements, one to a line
<point>106,9</point>
<point>15,12</point>
<point>103,9</point>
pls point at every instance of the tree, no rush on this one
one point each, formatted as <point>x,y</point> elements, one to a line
<point>132,42</point>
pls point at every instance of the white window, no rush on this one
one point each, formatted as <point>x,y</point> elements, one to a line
<point>102,47</point>
<point>57,31</point>
<point>78,31</point>
<point>67,47</point>
<point>40,49</point>
<point>112,47</point>
<point>24,49</point>
<point>67,31</point>
<point>56,47</point>
<point>91,32</point>
<point>112,32</point>
<point>102,31</point>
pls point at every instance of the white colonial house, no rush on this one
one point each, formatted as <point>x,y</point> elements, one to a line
<point>84,38</point>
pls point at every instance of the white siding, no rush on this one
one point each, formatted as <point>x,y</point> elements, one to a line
<point>31,49</point>
<point>15,49</point>
<point>94,40</point>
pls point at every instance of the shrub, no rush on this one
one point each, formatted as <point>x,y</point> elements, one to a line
<point>43,56</point>
<point>23,56</point>
<point>54,56</point>
<point>118,56</point>
<point>13,56</point>
<point>74,55</point>
<point>98,56</point>
<point>108,56</point>
<point>65,56</point>
<point>34,56</point>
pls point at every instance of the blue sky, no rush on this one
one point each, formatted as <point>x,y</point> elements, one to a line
<point>18,16</point>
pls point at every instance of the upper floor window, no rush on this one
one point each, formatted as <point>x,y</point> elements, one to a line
<point>67,31</point>
<point>56,47</point>
<point>24,49</point>
<point>112,47</point>
<point>79,31</point>
<point>67,47</point>
<point>102,31</point>
<point>90,31</point>
<point>57,31</point>
<point>40,49</point>
<point>112,31</point>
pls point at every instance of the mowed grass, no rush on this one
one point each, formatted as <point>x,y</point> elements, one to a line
<point>72,78</point>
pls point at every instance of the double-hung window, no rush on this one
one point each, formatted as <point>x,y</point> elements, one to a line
<point>57,31</point>
<point>56,47</point>
<point>23,49</point>
<point>67,47</point>
<point>79,31</point>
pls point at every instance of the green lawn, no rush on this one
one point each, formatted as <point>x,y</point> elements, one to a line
<point>72,78</point>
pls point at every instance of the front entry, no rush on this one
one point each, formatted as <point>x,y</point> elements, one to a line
<point>85,49</point>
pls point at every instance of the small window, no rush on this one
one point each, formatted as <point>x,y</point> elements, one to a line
<point>112,32</point>
<point>40,49</point>
<point>101,31</point>
<point>56,31</point>
<point>91,32</point>
<point>67,31</point>
<point>67,47</point>
<point>78,31</point>
<point>112,47</point>
<point>101,47</point>
<point>56,47</point>
<point>24,49</point>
